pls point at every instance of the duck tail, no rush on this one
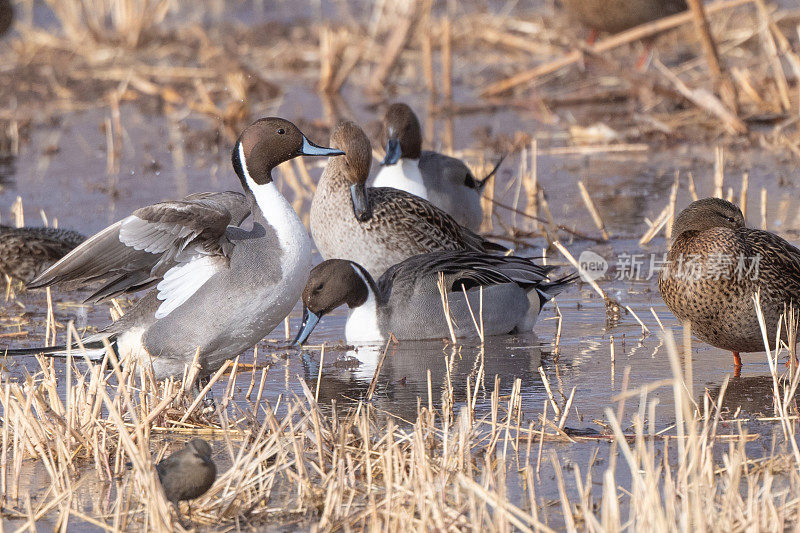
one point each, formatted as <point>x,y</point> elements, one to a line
<point>550,289</point>
<point>481,183</point>
<point>492,247</point>
<point>94,351</point>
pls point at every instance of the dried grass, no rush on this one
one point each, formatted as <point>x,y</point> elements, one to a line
<point>446,470</point>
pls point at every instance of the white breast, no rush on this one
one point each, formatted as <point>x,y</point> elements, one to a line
<point>403,175</point>
<point>362,322</point>
<point>293,237</point>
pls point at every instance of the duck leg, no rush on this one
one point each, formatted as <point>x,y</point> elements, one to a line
<point>180,518</point>
<point>646,56</point>
<point>592,38</point>
<point>737,364</point>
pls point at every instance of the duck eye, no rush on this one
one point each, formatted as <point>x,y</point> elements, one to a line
<point>281,131</point>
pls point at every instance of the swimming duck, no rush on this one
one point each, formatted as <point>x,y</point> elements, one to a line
<point>187,474</point>
<point>378,227</point>
<point>715,266</point>
<point>219,288</point>
<point>444,181</point>
<point>406,301</point>
<point>25,252</point>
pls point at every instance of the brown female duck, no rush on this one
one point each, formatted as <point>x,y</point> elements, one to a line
<point>614,16</point>
<point>187,474</point>
<point>25,252</point>
<point>715,266</point>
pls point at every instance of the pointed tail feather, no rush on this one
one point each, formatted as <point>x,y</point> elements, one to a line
<point>549,290</point>
<point>493,247</point>
<point>95,351</point>
<point>481,184</point>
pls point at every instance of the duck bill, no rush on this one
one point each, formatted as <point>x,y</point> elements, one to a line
<point>393,152</point>
<point>310,320</point>
<point>361,207</point>
<point>310,148</point>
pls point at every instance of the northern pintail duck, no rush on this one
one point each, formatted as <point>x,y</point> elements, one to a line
<point>377,227</point>
<point>406,301</point>
<point>715,266</point>
<point>187,474</point>
<point>614,16</point>
<point>25,252</point>
<point>218,287</point>
<point>444,181</point>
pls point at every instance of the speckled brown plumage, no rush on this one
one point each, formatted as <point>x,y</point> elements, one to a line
<point>400,225</point>
<point>715,294</point>
<point>25,252</point>
<point>614,16</point>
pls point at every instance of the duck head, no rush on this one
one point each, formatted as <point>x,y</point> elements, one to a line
<point>706,214</point>
<point>332,283</point>
<point>200,447</point>
<point>401,133</point>
<point>268,142</point>
<point>354,166</point>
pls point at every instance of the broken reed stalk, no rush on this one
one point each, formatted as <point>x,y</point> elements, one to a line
<point>426,45</point>
<point>587,200</point>
<point>443,291</point>
<point>395,44</point>
<point>743,194</point>
<point>387,472</point>
<point>673,199</point>
<point>704,100</point>
<point>719,171</point>
<point>628,36</point>
<point>18,212</point>
<point>772,55</point>
<point>722,81</point>
<point>585,275</point>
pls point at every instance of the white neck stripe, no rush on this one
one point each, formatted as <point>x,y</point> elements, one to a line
<point>363,278</point>
<point>243,164</point>
<point>362,322</point>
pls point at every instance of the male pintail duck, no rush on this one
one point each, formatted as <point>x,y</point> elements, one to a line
<point>378,227</point>
<point>444,181</point>
<point>715,266</point>
<point>218,287</point>
<point>25,252</point>
<point>187,474</point>
<point>406,301</point>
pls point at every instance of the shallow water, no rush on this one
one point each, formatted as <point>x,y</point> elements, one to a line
<point>62,171</point>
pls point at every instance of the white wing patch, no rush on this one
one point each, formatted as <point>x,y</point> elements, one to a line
<point>183,280</point>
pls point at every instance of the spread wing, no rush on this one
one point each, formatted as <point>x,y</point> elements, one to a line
<point>424,223</point>
<point>177,243</point>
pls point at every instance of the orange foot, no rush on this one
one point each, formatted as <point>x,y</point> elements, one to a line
<point>737,365</point>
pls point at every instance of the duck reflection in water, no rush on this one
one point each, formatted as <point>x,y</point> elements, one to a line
<point>403,375</point>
